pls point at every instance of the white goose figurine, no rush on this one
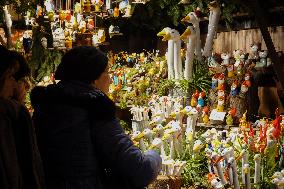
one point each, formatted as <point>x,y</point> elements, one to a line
<point>189,36</point>
<point>193,18</point>
<point>174,52</point>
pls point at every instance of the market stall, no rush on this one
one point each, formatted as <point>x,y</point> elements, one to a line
<point>207,100</point>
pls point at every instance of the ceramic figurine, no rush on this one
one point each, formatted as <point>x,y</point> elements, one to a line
<point>226,59</point>
<point>239,70</point>
<point>263,59</point>
<point>90,24</point>
<point>254,52</point>
<point>58,38</point>
<point>221,81</point>
<point>200,101</point>
<point>243,58</point>
<point>44,42</point>
<point>230,69</point>
<point>205,116</point>
<point>237,56</point>
<point>234,88</point>
<point>116,12</point>
<point>82,26</point>
<point>244,88</point>
<point>247,79</point>
<point>230,116</point>
<point>27,41</point>
<point>220,104</point>
<point>214,83</point>
<point>194,98</point>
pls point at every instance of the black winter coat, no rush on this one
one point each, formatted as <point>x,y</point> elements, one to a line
<point>20,162</point>
<point>82,144</point>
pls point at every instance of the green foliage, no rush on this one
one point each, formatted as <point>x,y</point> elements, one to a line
<point>165,86</point>
<point>196,169</point>
<point>44,61</point>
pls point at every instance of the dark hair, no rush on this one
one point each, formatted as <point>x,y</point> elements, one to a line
<point>24,69</point>
<point>6,63</point>
<point>84,64</point>
<point>4,60</point>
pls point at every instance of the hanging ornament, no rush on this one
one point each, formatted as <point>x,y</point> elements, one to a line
<point>77,8</point>
<point>38,11</point>
<point>90,24</point>
<point>62,15</point>
<point>87,6</point>
<point>116,12</point>
<point>68,15</point>
<point>50,16</point>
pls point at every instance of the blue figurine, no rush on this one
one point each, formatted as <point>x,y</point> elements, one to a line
<point>234,89</point>
<point>214,84</point>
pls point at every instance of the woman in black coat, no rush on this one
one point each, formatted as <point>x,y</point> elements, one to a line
<point>80,140</point>
<point>20,163</point>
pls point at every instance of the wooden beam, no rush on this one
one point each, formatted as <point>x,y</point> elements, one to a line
<point>260,14</point>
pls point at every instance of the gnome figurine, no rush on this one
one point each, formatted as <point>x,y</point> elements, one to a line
<point>234,88</point>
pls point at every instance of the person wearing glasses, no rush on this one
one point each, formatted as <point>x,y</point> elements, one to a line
<point>20,162</point>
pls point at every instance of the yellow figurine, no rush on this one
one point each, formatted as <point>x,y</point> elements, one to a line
<point>205,117</point>
<point>220,105</point>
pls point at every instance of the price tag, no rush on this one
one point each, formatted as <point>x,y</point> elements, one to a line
<point>217,116</point>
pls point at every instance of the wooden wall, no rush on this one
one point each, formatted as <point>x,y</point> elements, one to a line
<point>229,41</point>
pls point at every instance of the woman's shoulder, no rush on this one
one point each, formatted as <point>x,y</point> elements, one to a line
<point>9,107</point>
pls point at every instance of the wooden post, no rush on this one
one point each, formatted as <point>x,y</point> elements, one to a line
<point>260,13</point>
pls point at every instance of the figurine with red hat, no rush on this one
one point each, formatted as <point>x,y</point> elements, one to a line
<point>194,98</point>
<point>220,104</point>
<point>231,115</point>
<point>230,69</point>
<point>200,101</point>
<point>205,115</point>
<point>234,88</point>
<point>221,81</point>
<point>244,88</point>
